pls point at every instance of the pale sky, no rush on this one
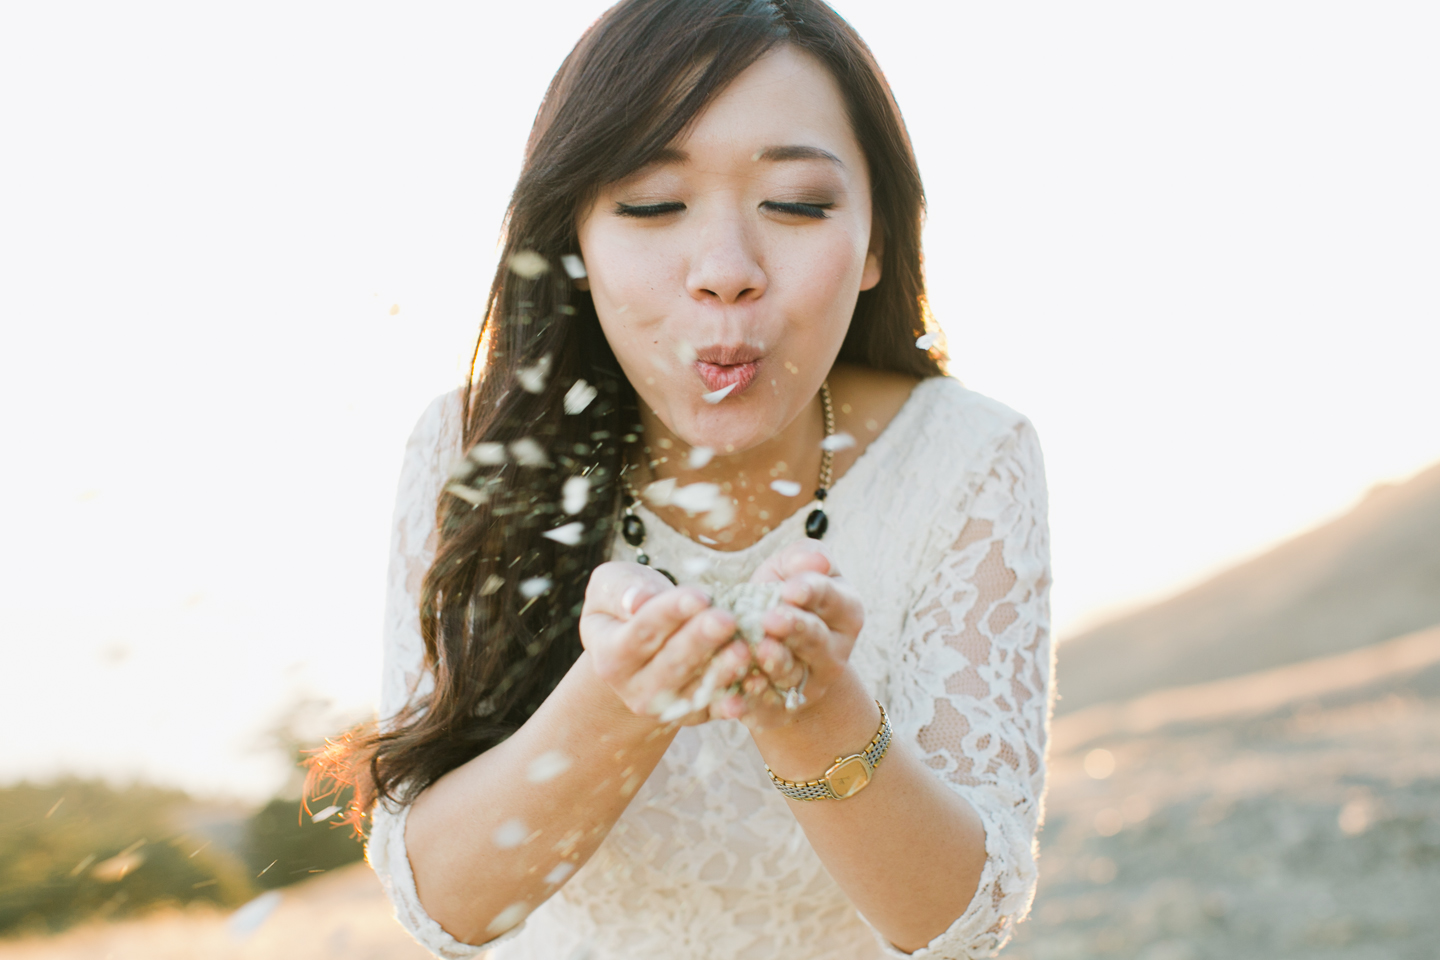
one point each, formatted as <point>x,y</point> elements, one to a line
<point>1196,244</point>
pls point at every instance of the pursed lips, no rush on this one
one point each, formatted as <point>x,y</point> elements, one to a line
<point>719,367</point>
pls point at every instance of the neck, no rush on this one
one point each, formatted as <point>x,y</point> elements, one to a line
<point>745,476</point>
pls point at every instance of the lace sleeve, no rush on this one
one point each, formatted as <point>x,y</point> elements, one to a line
<point>975,696</point>
<point>433,443</point>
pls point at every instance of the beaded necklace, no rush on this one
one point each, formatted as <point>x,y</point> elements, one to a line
<point>632,528</point>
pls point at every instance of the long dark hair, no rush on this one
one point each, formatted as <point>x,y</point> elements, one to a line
<point>500,604</point>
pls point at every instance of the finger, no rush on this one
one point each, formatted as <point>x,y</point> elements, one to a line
<point>620,589</point>
<point>778,663</point>
<point>687,650</point>
<point>807,636</point>
<point>832,599</point>
<point>797,557</point>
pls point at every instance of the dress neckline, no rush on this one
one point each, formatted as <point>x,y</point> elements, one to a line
<point>869,457</point>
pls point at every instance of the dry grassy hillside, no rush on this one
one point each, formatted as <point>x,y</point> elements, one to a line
<point>1371,575</point>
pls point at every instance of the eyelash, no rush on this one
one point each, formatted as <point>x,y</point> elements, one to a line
<point>814,211</point>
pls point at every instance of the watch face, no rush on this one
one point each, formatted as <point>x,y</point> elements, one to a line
<point>848,777</point>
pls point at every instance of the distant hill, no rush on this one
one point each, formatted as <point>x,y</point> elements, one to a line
<point>1372,575</point>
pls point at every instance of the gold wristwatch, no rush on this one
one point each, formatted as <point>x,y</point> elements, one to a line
<point>847,776</point>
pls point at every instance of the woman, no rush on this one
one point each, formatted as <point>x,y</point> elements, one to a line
<point>709,302</point>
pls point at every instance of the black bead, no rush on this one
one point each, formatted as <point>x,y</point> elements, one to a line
<point>816,524</point>
<point>821,493</point>
<point>632,528</point>
<point>668,576</point>
<point>642,559</point>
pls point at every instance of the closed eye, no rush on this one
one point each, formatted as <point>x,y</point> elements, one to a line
<point>815,211</point>
<point>648,210</point>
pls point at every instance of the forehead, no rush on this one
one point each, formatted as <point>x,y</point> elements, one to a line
<point>786,106</point>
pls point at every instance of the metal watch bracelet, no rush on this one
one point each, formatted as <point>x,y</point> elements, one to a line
<point>847,776</point>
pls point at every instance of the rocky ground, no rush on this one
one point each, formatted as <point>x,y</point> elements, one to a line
<point>1310,831</point>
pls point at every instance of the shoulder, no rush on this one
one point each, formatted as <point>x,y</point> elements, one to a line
<point>436,436</point>
<point>954,428</point>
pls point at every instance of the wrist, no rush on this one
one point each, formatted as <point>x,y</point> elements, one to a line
<point>609,712</point>
<point>839,724</point>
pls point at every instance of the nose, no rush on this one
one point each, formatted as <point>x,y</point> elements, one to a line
<point>725,266</point>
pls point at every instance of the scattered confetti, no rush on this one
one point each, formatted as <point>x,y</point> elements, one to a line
<point>700,456</point>
<point>488,454</point>
<point>510,834</point>
<point>547,766</point>
<point>694,566</point>
<point>394,309</point>
<point>574,266</point>
<point>685,352</point>
<point>532,379</point>
<point>492,584</point>
<point>325,814</point>
<point>662,701</point>
<point>508,918</point>
<point>528,264</point>
<point>786,488</point>
<point>927,341</point>
<point>245,921</point>
<point>469,494</point>
<point>117,867</point>
<point>721,515</point>
<point>528,453</point>
<point>578,397</point>
<point>715,396</point>
<point>696,497</point>
<point>575,494</point>
<point>706,540</point>
<point>837,441</point>
<point>660,492</point>
<point>682,707</point>
<point>534,587</point>
<point>53,807</point>
<point>569,534</point>
<point>561,871</point>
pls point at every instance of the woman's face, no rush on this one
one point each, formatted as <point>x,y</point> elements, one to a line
<point>735,259</point>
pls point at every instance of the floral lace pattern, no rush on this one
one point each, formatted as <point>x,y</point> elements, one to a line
<point>941,527</point>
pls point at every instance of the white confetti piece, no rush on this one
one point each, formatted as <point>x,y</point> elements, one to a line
<point>547,766</point>
<point>532,379</point>
<point>682,707</point>
<point>528,453</point>
<point>721,515</point>
<point>837,441</point>
<point>488,454</point>
<point>574,266</point>
<point>528,264</point>
<point>534,587</point>
<point>927,341</point>
<point>575,494</point>
<point>786,488</point>
<point>662,701</point>
<point>569,534</point>
<point>696,497</point>
<point>325,814</point>
<point>510,834</point>
<point>492,583</point>
<point>579,396</point>
<point>700,456</point>
<point>508,918</point>
<point>715,396</point>
<point>694,566</point>
<point>706,540</point>
<point>660,492</point>
<point>685,352</point>
<point>469,494</point>
<point>559,873</point>
<point>244,922</point>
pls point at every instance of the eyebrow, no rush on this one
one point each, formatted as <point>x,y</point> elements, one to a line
<point>671,155</point>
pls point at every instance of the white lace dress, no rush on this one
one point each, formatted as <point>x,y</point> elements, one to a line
<point>940,525</point>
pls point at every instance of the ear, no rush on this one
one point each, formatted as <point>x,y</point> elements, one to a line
<point>871,275</point>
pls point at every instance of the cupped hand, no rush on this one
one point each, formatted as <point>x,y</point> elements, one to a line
<point>808,637</point>
<point>658,645</point>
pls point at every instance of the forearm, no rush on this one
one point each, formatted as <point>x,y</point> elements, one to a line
<point>466,881</point>
<point>906,850</point>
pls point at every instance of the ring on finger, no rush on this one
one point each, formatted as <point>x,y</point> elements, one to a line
<point>795,696</point>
